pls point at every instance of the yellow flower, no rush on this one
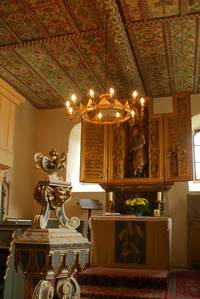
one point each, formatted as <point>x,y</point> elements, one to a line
<point>138,201</point>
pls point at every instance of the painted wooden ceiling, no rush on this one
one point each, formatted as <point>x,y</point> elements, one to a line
<point>50,49</point>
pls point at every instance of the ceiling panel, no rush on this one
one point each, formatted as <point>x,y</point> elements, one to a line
<point>164,8</point>
<point>51,49</point>
<point>148,41</point>
<point>183,39</point>
<point>20,20</point>
<point>52,16</point>
<point>22,72</point>
<point>84,14</point>
<point>74,63</point>
<point>47,68</point>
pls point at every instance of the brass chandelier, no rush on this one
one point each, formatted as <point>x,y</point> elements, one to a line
<point>107,109</point>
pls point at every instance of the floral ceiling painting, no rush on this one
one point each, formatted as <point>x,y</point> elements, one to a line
<point>51,49</point>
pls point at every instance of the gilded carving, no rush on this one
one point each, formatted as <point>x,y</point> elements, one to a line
<point>174,163</point>
<point>43,290</point>
<point>154,148</point>
<point>68,288</point>
<point>52,164</point>
<point>178,132</point>
<point>3,166</point>
<point>52,194</point>
<point>118,155</point>
<point>138,159</point>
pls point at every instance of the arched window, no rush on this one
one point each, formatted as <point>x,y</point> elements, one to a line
<point>73,163</point>
<point>196,155</point>
<point>195,184</point>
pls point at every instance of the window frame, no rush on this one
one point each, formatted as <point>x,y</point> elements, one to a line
<point>195,179</point>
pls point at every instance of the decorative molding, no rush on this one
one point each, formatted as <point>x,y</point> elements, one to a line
<point>163,20</point>
<point>54,39</point>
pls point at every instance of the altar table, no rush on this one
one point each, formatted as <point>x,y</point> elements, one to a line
<point>131,241</point>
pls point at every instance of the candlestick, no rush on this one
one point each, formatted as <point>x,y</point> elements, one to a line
<point>110,196</point>
<point>159,196</point>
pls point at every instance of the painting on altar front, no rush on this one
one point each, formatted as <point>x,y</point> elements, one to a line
<point>130,239</point>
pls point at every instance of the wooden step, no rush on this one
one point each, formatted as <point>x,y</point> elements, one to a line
<point>105,276</point>
<point>96,292</point>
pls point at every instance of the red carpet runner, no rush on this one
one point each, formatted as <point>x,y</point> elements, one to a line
<point>118,283</point>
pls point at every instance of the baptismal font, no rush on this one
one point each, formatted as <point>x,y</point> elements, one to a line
<point>50,256</point>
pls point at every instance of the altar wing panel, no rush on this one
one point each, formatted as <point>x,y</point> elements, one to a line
<point>178,140</point>
<point>93,153</point>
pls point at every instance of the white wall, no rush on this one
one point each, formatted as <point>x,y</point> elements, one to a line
<point>22,173</point>
<point>38,130</point>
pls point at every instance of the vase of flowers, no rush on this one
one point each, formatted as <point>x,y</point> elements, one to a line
<point>139,206</point>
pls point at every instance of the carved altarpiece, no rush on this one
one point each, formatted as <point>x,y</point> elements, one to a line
<point>155,152</point>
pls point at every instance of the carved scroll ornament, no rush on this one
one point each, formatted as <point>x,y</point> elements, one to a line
<point>52,194</point>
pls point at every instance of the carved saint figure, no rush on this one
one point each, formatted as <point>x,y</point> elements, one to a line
<point>137,153</point>
<point>174,164</point>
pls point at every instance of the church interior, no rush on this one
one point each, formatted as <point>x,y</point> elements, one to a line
<point>99,149</point>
